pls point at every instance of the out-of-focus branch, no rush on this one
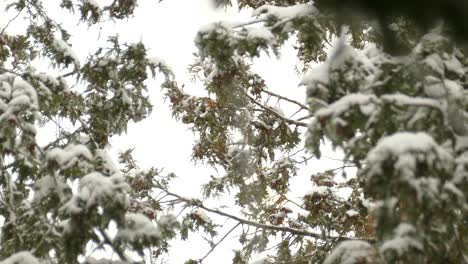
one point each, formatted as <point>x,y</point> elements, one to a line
<point>108,241</point>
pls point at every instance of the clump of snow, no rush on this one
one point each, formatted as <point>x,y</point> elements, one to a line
<point>68,156</point>
<point>47,78</point>
<point>218,31</point>
<point>451,188</point>
<point>318,190</point>
<point>66,50</point>
<point>43,187</point>
<point>407,149</point>
<point>345,103</point>
<point>157,61</point>
<point>287,12</point>
<point>49,184</point>
<point>261,33</point>
<point>355,66</point>
<point>429,42</point>
<point>201,215</point>
<point>138,227</point>
<point>161,64</point>
<point>45,82</point>
<point>94,189</point>
<point>404,100</point>
<point>461,170</point>
<point>351,252</point>
<point>93,3</point>
<point>321,74</point>
<point>23,257</point>
<point>404,240</point>
<point>167,223</point>
<point>318,74</point>
<point>92,260</point>
<point>352,213</point>
<point>263,260</point>
<point>23,91</point>
<point>427,187</point>
<point>435,62</point>
<point>433,87</point>
<point>453,88</point>
<point>16,95</point>
<point>344,53</point>
<point>454,65</point>
<point>107,162</point>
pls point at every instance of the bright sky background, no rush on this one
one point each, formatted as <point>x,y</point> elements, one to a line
<point>168,29</point>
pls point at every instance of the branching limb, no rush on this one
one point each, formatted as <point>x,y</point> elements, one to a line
<point>109,242</point>
<point>275,113</point>
<point>286,229</point>
<point>302,106</point>
<point>10,71</point>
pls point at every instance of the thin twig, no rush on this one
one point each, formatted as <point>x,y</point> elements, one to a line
<point>302,106</point>
<point>9,22</point>
<point>275,113</point>
<point>305,117</point>
<point>219,242</point>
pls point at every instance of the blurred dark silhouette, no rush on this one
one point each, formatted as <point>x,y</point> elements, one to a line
<point>425,14</point>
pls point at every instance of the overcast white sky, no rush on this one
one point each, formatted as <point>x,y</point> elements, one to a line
<point>168,29</point>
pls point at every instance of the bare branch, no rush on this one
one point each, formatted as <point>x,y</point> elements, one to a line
<point>219,242</point>
<point>302,106</point>
<point>111,244</point>
<point>286,229</point>
<point>9,22</point>
<point>275,113</point>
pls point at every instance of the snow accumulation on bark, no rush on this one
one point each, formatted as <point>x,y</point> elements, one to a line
<point>22,257</point>
<point>284,14</point>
